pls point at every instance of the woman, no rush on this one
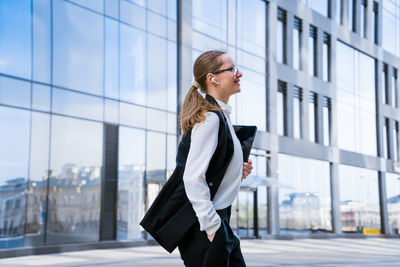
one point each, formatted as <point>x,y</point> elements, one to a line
<point>192,211</point>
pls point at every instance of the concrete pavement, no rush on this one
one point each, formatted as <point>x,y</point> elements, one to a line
<point>374,252</point>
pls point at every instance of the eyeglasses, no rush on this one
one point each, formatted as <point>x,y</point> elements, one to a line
<point>234,70</point>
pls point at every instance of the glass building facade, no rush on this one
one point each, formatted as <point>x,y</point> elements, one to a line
<point>90,93</point>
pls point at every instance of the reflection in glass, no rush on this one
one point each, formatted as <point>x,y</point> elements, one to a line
<point>281,108</point>
<point>326,57</point>
<point>374,23</point>
<point>385,95</point>
<point>156,24</point>
<point>156,72</point>
<point>251,25</point>
<point>393,202</point>
<point>77,104</point>
<point>359,199</point>
<point>77,48</point>
<point>355,100</point>
<point>351,5</point>
<point>15,38</point>
<point>321,6</point>
<point>111,111</point>
<point>15,92</point>
<point>363,19</point>
<point>156,156</point>
<point>297,111</point>
<point>251,105</point>
<point>36,194</point>
<point>171,154</point>
<point>130,183</point>
<point>327,121</point>
<point>394,88</point>
<point>385,135</point>
<point>215,25</point>
<point>132,14</point>
<point>132,65</point>
<point>75,181</point>
<point>156,120</point>
<point>111,58</point>
<point>172,76</point>
<point>390,26</point>
<point>312,116</point>
<point>297,43</point>
<point>312,57</point>
<point>304,195</point>
<point>339,4</point>
<point>41,38</point>
<point>40,97</point>
<point>395,141</point>
<point>14,158</point>
<point>280,37</point>
<point>132,115</point>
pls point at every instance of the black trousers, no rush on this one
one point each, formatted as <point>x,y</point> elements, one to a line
<point>197,251</point>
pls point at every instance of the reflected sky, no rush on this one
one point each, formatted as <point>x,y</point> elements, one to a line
<point>14,152</point>
<point>77,48</point>
<point>15,38</point>
<point>356,100</point>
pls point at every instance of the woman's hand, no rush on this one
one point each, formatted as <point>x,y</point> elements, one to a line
<point>247,167</point>
<point>211,237</point>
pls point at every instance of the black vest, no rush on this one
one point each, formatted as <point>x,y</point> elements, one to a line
<point>171,215</point>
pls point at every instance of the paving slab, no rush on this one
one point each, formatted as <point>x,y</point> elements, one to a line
<point>349,252</point>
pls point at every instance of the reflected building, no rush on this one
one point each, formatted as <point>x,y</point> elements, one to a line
<point>90,93</point>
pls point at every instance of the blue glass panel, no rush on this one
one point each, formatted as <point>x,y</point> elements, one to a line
<point>131,167</point>
<point>111,109</point>
<point>111,59</point>
<point>215,25</point>
<point>96,5</point>
<point>304,195</point>
<point>74,198</point>
<point>172,119</point>
<point>132,115</point>
<point>15,92</point>
<point>393,200</point>
<point>251,26</point>
<point>14,158</point>
<point>133,14</point>
<point>172,9</point>
<point>133,65</point>
<point>41,40</point>
<point>156,69</point>
<point>156,156</point>
<point>171,154</point>
<point>359,199</point>
<point>15,38</point>
<point>172,76</point>
<point>111,8</point>
<point>78,48</point>
<point>156,24</point>
<point>172,30</point>
<point>156,120</point>
<point>38,174</point>
<point>41,97</point>
<point>76,104</point>
<point>159,6</point>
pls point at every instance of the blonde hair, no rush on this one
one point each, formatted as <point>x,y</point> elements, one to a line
<point>195,107</point>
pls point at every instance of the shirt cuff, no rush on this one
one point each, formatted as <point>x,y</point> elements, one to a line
<point>213,229</point>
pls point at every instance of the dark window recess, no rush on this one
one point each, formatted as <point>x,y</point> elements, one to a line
<point>108,213</point>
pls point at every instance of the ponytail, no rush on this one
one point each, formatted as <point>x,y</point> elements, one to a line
<point>194,110</point>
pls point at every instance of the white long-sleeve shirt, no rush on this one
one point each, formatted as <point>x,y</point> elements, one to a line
<point>204,140</point>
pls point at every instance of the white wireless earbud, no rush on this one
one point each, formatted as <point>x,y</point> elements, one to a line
<point>214,81</point>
